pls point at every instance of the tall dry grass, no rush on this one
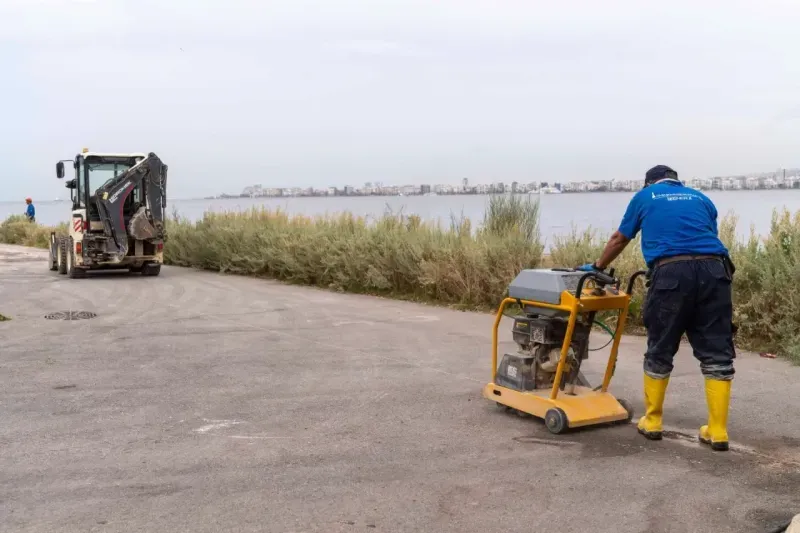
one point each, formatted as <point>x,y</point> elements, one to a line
<point>17,229</point>
<point>766,300</point>
<point>456,264</point>
<point>397,255</point>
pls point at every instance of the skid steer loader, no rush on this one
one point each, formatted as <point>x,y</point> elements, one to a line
<point>117,221</point>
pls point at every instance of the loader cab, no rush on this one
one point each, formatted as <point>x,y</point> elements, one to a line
<point>93,170</point>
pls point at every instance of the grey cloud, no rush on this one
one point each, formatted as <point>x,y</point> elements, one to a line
<point>317,93</point>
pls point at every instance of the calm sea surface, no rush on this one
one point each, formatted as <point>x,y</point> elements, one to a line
<point>559,212</point>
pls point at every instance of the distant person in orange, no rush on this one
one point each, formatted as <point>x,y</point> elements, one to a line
<point>31,211</point>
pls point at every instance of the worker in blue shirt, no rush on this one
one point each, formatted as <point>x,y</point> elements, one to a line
<point>30,212</point>
<point>689,292</point>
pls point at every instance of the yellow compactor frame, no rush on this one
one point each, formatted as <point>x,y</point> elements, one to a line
<point>584,406</point>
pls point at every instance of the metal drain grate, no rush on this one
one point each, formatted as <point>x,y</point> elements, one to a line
<point>70,315</point>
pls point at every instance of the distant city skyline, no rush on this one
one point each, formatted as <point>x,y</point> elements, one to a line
<point>781,178</point>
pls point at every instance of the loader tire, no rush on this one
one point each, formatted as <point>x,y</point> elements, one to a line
<point>73,271</point>
<point>151,270</point>
<point>62,256</point>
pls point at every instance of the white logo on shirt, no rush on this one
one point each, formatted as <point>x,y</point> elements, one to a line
<point>673,197</point>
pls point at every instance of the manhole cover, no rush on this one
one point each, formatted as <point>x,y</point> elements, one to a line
<point>70,315</point>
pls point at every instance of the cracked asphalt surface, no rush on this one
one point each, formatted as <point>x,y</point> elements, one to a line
<point>198,402</point>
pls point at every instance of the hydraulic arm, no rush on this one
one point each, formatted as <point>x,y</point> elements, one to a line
<point>145,220</point>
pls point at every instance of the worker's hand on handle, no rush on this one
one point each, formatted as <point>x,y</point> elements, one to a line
<point>600,277</point>
<point>589,267</point>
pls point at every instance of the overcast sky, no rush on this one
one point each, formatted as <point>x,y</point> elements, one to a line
<point>341,92</point>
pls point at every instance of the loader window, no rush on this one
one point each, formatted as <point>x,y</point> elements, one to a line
<point>99,173</point>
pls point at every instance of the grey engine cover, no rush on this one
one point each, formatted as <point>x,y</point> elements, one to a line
<point>543,285</point>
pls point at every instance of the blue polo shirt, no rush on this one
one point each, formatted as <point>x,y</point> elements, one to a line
<point>674,220</point>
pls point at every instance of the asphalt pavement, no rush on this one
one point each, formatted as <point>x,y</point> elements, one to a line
<point>199,402</point>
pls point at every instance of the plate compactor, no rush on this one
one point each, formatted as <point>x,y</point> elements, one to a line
<point>544,379</point>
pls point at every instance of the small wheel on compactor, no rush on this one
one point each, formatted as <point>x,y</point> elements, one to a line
<point>556,420</point>
<point>628,407</point>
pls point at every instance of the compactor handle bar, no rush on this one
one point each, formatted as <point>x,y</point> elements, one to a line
<point>633,280</point>
<point>601,278</point>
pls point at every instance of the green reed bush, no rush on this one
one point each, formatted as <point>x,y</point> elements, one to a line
<point>17,229</point>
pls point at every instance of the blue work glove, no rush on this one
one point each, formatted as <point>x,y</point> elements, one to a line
<point>588,267</point>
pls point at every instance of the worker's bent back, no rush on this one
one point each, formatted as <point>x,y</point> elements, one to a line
<point>674,220</point>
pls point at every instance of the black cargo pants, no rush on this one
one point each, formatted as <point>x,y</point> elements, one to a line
<point>691,297</point>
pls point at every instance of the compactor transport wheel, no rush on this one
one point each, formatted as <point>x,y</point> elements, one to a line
<point>628,407</point>
<point>62,256</point>
<point>556,420</point>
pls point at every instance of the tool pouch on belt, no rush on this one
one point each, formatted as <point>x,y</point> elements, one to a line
<point>730,268</point>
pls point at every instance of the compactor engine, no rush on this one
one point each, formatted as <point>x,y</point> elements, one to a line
<point>540,332</point>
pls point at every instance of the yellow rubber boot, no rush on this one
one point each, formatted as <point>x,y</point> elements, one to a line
<point>650,425</point>
<point>718,397</point>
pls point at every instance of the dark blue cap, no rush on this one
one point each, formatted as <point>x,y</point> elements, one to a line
<point>659,172</point>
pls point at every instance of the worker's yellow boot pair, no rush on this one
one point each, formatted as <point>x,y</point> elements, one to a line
<point>718,395</point>
<point>650,425</point>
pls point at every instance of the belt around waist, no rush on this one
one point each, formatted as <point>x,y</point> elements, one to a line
<point>676,258</point>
